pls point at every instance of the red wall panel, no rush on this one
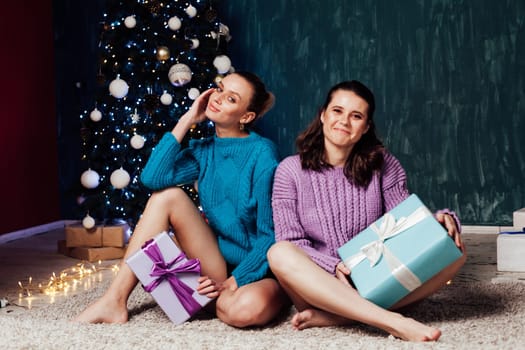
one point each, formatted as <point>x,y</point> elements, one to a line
<point>28,142</point>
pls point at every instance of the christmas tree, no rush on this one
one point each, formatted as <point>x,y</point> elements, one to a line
<point>156,57</point>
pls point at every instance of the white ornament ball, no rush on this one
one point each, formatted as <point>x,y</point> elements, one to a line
<point>89,179</point>
<point>193,93</point>
<point>174,23</point>
<point>119,178</point>
<point>118,88</point>
<point>195,43</point>
<point>179,74</point>
<point>166,99</point>
<point>130,22</point>
<point>95,115</point>
<point>222,63</point>
<point>191,11</point>
<point>137,141</point>
<point>88,222</point>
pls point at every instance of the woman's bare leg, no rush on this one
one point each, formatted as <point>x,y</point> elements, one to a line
<point>170,205</point>
<point>296,270</point>
<point>254,304</point>
<point>307,316</point>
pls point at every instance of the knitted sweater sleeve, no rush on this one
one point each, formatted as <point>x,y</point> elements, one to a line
<point>394,184</point>
<point>286,218</point>
<point>169,166</point>
<point>255,265</point>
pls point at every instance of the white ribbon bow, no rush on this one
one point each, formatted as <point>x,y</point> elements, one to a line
<point>373,251</point>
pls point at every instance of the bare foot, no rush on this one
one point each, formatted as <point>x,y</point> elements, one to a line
<point>317,318</point>
<point>409,329</point>
<point>104,310</point>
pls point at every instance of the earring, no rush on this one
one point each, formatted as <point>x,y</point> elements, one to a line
<point>241,126</point>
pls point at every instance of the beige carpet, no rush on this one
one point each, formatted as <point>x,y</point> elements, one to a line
<point>472,315</point>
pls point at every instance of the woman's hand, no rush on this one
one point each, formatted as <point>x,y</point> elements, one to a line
<point>450,225</point>
<point>212,288</point>
<point>209,287</point>
<point>196,114</point>
<point>230,284</point>
<point>197,111</point>
<point>342,273</point>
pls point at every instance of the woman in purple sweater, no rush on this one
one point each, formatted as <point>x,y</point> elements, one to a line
<point>341,181</point>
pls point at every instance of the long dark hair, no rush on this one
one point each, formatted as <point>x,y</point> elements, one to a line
<point>367,154</point>
<point>262,100</point>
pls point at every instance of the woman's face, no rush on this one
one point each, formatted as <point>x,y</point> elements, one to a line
<point>345,120</point>
<point>228,104</point>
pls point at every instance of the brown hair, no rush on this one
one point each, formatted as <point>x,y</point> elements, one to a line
<point>262,100</point>
<point>367,154</point>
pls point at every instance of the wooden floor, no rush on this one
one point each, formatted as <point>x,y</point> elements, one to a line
<point>37,257</point>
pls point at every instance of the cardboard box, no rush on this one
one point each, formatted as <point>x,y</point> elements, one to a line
<point>91,254</point>
<point>511,251</point>
<point>171,280</point>
<point>407,247</point>
<point>99,236</point>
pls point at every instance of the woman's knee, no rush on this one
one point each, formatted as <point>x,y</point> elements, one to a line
<point>280,256</point>
<point>167,196</point>
<point>244,311</point>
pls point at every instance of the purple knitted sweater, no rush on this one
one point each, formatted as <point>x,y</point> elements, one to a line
<point>320,211</point>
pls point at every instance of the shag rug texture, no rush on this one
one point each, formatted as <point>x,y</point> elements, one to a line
<point>473,315</point>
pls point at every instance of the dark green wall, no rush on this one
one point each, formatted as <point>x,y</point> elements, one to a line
<point>449,80</point>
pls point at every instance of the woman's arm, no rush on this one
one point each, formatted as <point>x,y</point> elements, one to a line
<point>286,217</point>
<point>169,166</point>
<point>194,115</point>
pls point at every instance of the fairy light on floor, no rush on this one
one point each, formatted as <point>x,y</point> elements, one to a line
<point>65,281</point>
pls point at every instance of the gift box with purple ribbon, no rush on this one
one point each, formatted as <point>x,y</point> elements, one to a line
<point>169,277</point>
<point>398,252</point>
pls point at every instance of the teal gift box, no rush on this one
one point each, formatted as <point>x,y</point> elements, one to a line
<point>398,252</point>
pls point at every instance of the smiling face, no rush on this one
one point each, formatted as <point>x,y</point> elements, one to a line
<point>228,104</point>
<point>345,121</point>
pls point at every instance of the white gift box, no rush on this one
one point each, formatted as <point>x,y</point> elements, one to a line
<point>511,251</point>
<point>518,219</point>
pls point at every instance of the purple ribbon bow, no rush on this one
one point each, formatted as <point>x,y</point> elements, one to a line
<point>164,271</point>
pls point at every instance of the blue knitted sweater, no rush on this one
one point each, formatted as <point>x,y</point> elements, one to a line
<point>235,178</point>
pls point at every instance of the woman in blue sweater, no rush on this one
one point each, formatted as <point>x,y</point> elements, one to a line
<point>234,172</point>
